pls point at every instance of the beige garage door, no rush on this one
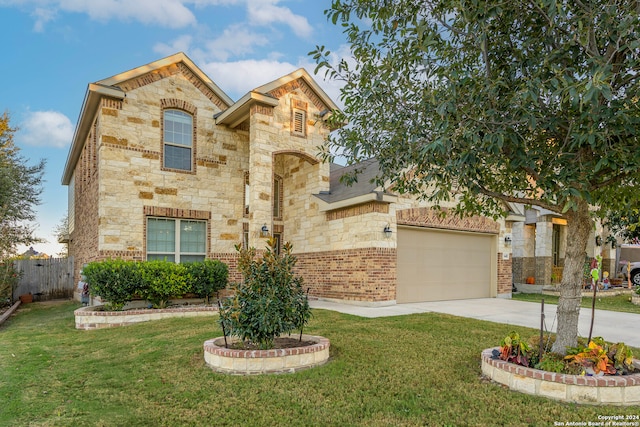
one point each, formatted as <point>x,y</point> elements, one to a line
<point>436,265</point>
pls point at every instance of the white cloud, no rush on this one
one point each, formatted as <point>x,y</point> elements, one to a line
<point>236,40</point>
<point>167,13</point>
<point>265,12</point>
<point>46,129</point>
<point>42,16</point>
<point>239,77</point>
<point>181,44</point>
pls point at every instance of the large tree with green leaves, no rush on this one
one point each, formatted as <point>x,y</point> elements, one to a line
<point>494,102</point>
<point>20,188</point>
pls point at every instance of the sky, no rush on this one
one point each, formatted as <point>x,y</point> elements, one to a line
<point>52,49</point>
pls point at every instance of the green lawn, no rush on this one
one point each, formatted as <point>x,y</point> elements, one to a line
<point>412,370</point>
<point>615,303</point>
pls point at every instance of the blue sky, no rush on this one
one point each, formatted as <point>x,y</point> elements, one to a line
<point>53,48</point>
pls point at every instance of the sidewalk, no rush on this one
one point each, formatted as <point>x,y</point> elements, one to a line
<point>612,325</point>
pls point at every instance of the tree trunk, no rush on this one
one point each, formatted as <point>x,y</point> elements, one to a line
<point>579,230</point>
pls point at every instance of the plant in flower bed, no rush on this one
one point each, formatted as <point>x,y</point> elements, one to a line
<point>595,358</point>
<point>9,279</point>
<point>118,282</point>
<point>269,302</point>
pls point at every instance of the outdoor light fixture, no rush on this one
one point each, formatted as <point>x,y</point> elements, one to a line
<point>507,240</point>
<point>264,231</point>
<point>387,231</point>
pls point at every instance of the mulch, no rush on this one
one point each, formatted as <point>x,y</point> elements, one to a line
<point>279,343</point>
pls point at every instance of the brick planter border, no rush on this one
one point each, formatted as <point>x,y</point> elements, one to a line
<point>604,390</point>
<point>277,361</point>
<point>92,317</point>
<point>635,298</point>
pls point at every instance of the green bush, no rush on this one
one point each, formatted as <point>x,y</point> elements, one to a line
<point>269,302</point>
<point>162,280</point>
<point>118,282</point>
<point>207,277</point>
<point>9,279</point>
<point>115,281</point>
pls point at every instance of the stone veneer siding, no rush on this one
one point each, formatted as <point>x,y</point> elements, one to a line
<point>367,275</point>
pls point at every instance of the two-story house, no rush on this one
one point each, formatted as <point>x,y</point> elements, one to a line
<point>163,164</point>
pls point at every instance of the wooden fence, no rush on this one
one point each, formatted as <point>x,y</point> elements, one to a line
<point>45,279</point>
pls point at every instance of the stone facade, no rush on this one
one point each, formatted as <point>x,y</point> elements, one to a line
<point>254,165</point>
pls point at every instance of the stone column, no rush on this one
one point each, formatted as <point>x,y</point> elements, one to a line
<point>262,137</point>
<point>544,244</point>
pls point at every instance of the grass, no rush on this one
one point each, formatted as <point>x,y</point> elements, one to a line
<point>612,303</point>
<point>414,370</point>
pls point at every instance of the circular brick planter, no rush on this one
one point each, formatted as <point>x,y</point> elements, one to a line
<point>635,298</point>
<point>277,361</point>
<point>93,317</point>
<point>604,390</point>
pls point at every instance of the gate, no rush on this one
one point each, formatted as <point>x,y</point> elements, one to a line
<point>45,279</point>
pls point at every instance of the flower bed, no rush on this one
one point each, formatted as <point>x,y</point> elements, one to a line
<point>275,361</point>
<point>595,390</point>
<point>93,317</point>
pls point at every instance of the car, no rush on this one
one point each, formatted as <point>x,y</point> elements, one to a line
<point>634,273</point>
<point>629,255</point>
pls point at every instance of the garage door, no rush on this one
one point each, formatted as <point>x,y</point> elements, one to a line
<point>436,265</point>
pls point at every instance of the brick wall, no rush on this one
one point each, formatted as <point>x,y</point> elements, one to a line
<point>367,274</point>
<point>504,275</point>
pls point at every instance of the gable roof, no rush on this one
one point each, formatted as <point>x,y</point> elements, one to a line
<point>116,86</point>
<point>269,93</point>
<point>362,191</point>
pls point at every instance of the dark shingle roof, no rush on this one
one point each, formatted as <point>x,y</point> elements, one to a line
<point>365,181</point>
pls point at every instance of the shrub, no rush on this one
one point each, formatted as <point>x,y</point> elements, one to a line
<point>207,277</point>
<point>115,281</point>
<point>269,302</point>
<point>9,279</point>
<point>162,280</point>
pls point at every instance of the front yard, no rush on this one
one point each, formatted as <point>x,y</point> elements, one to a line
<point>409,370</point>
<point>613,303</point>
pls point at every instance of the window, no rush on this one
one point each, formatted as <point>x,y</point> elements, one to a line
<point>245,213</point>
<point>555,245</point>
<point>178,136</point>
<point>277,197</point>
<point>277,242</point>
<point>176,240</point>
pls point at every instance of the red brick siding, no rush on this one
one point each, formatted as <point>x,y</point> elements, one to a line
<point>504,275</point>
<point>357,275</point>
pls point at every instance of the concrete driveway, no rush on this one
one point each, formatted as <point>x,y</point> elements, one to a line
<point>613,326</point>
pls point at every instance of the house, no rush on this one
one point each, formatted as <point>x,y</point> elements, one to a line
<point>163,164</point>
<point>539,244</point>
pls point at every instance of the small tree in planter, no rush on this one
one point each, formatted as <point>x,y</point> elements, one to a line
<point>269,302</point>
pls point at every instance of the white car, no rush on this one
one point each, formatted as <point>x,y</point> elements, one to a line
<point>629,254</point>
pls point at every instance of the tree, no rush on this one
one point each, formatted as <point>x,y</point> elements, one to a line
<point>625,224</point>
<point>20,188</point>
<point>493,102</point>
<point>61,231</point>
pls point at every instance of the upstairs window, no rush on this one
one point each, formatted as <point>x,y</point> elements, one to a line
<point>245,211</point>
<point>277,198</point>
<point>178,140</point>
